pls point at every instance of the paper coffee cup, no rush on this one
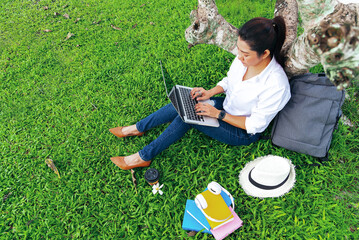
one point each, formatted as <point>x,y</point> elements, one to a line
<point>152,176</point>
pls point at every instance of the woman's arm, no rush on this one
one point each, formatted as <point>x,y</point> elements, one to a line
<point>237,121</point>
<point>216,90</point>
<point>206,109</point>
<point>203,94</point>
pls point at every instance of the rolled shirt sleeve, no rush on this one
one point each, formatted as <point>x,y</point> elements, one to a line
<point>224,84</point>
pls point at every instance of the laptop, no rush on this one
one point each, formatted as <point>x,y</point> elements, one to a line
<point>182,101</point>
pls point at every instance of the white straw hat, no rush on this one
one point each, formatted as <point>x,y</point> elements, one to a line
<point>268,176</point>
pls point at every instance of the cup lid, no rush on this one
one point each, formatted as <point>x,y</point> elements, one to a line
<point>152,174</point>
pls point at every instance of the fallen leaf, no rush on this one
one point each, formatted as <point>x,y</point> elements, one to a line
<point>6,196</point>
<point>151,23</point>
<point>29,222</point>
<point>47,30</point>
<point>143,5</point>
<point>134,180</point>
<point>56,13</point>
<point>191,233</point>
<point>94,22</point>
<point>134,26</point>
<point>77,19</point>
<point>46,8</point>
<point>66,16</point>
<point>69,35</point>
<point>65,6</point>
<point>50,164</point>
<point>114,27</point>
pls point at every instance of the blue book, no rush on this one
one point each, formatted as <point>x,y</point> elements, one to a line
<point>193,219</point>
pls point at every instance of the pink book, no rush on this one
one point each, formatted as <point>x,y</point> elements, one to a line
<point>223,231</point>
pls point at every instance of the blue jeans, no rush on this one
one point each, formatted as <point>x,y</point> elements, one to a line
<point>225,133</point>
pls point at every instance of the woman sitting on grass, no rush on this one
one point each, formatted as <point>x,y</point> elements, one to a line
<point>256,89</point>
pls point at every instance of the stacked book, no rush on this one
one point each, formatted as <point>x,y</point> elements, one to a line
<point>218,207</point>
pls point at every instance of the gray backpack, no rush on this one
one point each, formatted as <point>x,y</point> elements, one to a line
<point>307,122</point>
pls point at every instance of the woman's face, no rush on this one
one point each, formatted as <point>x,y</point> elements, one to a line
<point>246,55</point>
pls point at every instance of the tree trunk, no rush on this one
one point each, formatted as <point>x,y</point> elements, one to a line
<point>209,27</point>
<point>330,36</point>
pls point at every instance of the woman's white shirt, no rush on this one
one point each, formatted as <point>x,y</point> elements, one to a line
<point>259,98</point>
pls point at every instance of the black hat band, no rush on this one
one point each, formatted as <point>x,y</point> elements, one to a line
<point>265,187</point>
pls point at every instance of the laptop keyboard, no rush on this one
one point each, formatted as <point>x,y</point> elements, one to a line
<point>189,104</point>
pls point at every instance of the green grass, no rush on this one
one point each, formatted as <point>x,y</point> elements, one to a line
<point>58,98</point>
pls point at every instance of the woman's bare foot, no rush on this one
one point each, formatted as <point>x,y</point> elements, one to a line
<point>126,131</point>
<point>130,162</point>
<point>130,130</point>
<point>133,159</point>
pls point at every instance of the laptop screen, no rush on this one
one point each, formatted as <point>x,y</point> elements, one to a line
<point>169,84</point>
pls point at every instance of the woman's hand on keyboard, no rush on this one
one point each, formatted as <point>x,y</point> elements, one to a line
<point>200,94</point>
<point>206,109</point>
